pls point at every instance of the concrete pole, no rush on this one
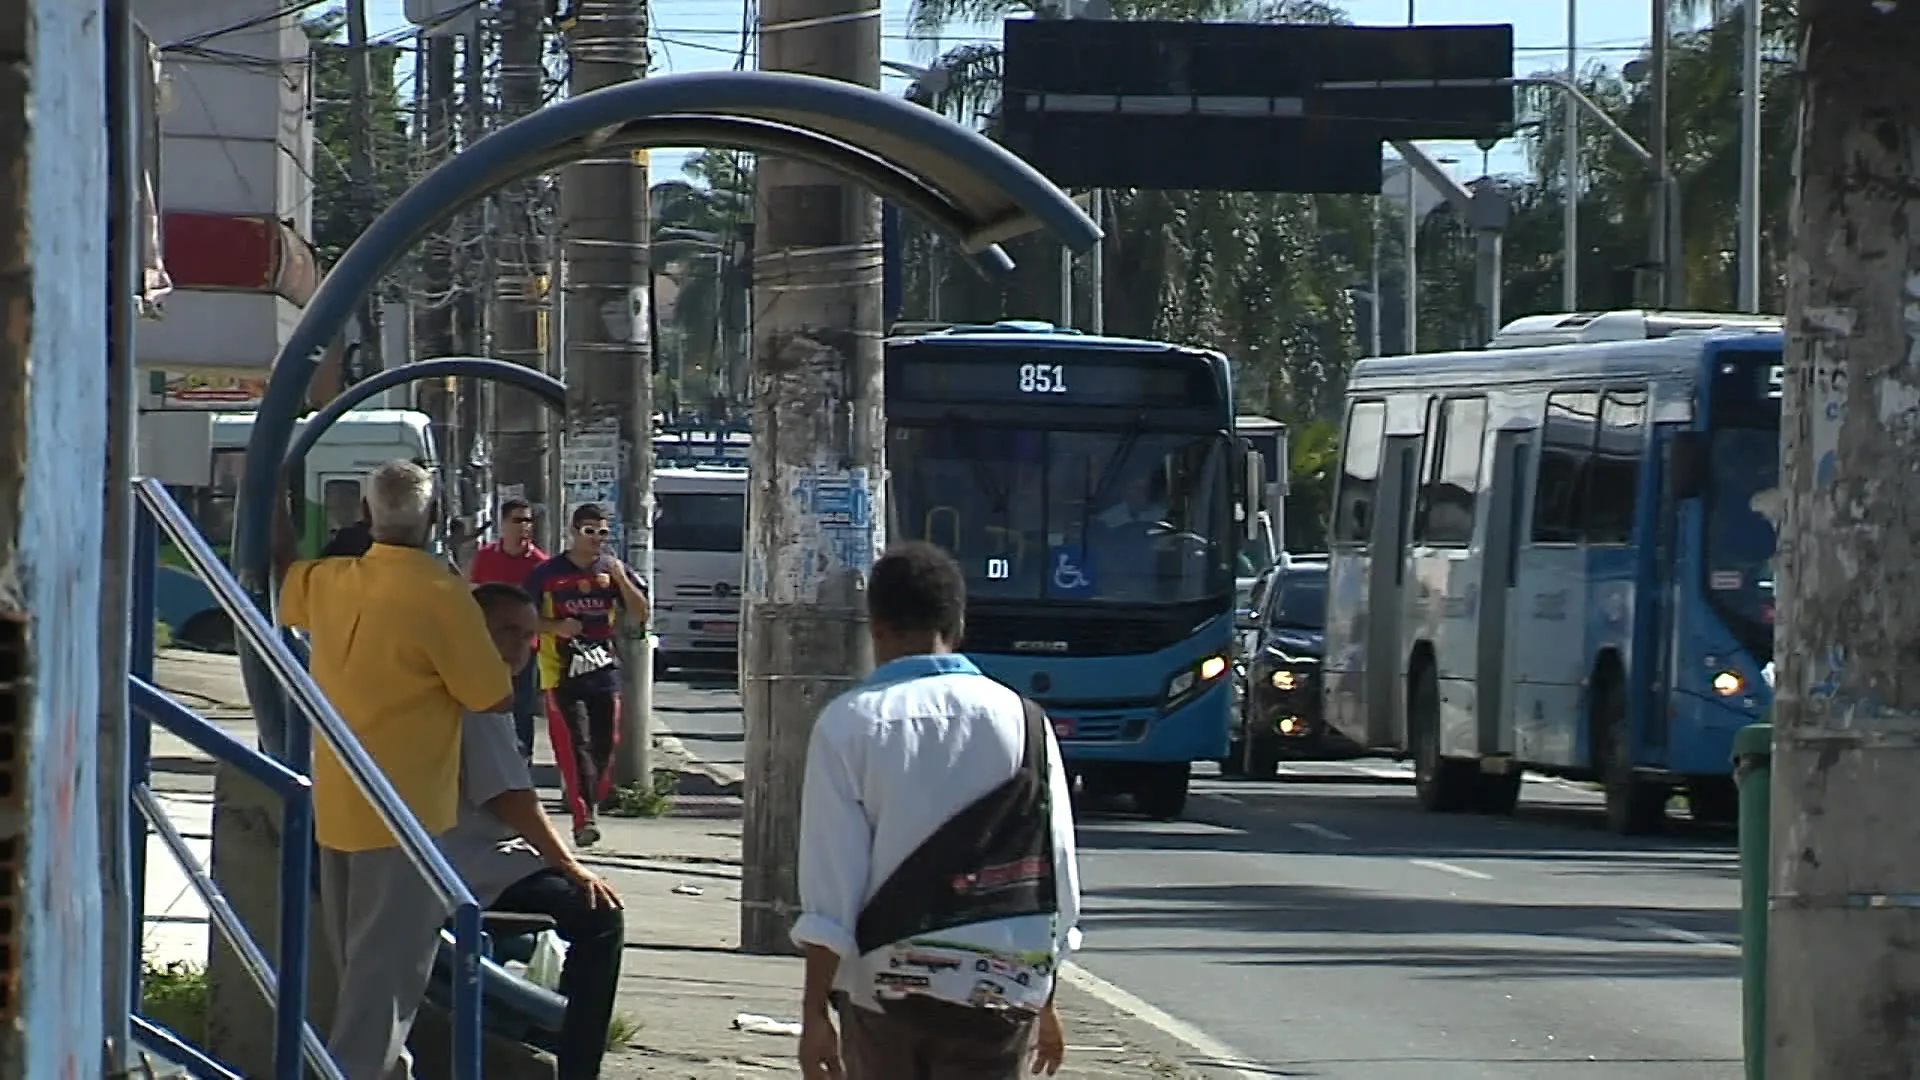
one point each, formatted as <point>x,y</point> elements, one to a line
<point>1570,211</point>
<point>607,215</point>
<point>1373,281</point>
<point>1750,149</point>
<point>1842,972</point>
<point>520,420</point>
<point>1411,295</point>
<point>1660,219</point>
<point>818,500</point>
<point>360,164</point>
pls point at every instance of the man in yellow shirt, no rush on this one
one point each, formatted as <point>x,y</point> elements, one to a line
<point>400,648</point>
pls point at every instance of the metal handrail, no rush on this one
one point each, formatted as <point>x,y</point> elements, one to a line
<point>299,686</point>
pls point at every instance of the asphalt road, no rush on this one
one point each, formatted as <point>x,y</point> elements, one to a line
<point>1322,926</point>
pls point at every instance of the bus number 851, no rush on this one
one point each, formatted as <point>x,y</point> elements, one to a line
<point>1043,379</point>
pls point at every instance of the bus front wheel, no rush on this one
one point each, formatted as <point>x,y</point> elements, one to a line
<point>1160,791</point>
<point>1636,806</point>
<point>1440,784</point>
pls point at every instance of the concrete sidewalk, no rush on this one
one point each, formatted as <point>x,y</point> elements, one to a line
<point>684,984</point>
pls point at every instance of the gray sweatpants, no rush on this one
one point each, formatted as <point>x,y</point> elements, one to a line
<point>382,923</point>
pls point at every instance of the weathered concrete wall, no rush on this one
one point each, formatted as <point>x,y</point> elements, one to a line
<point>53,342</point>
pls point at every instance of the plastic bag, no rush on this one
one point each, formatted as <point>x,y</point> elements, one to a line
<point>549,955</point>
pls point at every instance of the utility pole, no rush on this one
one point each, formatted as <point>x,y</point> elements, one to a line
<point>520,419</point>
<point>360,165</point>
<point>473,394</point>
<point>1842,973</point>
<point>433,322</point>
<point>818,455</point>
<point>1660,219</point>
<point>606,215</point>
<point>1411,296</point>
<point>1570,211</point>
<point>1749,242</point>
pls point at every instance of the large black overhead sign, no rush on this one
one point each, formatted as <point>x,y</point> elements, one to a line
<point>1244,106</point>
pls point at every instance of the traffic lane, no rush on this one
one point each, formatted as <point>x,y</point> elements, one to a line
<point>703,713</point>
<point>1556,838</point>
<point>1353,958</point>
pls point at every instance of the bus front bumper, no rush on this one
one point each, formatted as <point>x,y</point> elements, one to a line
<point>1195,730</point>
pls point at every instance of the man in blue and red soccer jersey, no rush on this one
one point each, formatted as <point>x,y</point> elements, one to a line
<point>581,592</point>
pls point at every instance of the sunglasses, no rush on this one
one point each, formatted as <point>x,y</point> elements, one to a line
<point>600,531</point>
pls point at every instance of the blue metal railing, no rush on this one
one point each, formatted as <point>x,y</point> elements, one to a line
<point>293,1040</point>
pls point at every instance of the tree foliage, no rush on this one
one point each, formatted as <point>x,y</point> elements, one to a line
<point>338,204</point>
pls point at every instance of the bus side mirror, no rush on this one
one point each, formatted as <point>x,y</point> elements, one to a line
<point>1256,480</point>
<point>1686,465</point>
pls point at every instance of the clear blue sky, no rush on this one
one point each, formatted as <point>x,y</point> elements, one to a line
<point>704,35</point>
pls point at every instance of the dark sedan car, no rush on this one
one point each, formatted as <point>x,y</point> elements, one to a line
<point>1280,703</point>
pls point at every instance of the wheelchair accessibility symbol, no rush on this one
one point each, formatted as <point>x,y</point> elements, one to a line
<point>1068,574</point>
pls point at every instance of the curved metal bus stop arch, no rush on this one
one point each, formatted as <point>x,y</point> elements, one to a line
<point>968,187</point>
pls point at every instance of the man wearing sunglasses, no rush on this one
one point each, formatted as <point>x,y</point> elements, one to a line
<point>581,593</point>
<point>508,561</point>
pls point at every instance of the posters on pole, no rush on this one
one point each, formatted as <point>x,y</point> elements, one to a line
<point>590,461</point>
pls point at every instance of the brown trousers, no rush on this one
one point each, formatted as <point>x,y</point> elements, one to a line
<point>922,1039</point>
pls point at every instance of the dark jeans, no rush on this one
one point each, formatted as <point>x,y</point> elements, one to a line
<point>595,938</point>
<point>526,705</point>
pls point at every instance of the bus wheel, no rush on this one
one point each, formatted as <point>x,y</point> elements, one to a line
<point>1496,793</point>
<point>1635,806</point>
<point>1161,790</point>
<point>209,631</point>
<point>1713,800</point>
<point>1441,785</point>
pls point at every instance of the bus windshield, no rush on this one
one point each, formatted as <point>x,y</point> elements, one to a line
<point>699,521</point>
<point>1103,516</point>
<point>1741,507</point>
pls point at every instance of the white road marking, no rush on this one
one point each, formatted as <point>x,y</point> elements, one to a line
<point>1449,868</point>
<point>1320,831</point>
<point>1219,1058</point>
<point>1674,933</point>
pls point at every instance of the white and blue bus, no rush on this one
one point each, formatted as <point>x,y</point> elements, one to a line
<point>1556,554</point>
<point>1096,495</point>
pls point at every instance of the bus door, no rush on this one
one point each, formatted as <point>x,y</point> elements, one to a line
<point>1500,565</point>
<point>1656,538</point>
<point>1386,587</point>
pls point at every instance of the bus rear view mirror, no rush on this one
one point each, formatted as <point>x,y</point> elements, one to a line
<point>1686,464</point>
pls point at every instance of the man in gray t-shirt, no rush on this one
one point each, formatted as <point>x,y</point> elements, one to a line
<point>514,860</point>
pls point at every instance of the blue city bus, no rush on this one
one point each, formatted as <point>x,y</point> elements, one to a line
<point>1556,554</point>
<point>1096,496</point>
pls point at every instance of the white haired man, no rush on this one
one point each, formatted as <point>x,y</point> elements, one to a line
<point>401,648</point>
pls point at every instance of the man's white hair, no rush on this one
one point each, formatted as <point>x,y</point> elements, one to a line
<point>399,498</point>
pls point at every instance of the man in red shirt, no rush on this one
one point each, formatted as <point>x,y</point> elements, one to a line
<point>508,561</point>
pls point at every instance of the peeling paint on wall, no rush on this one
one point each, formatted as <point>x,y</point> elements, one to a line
<point>59,537</point>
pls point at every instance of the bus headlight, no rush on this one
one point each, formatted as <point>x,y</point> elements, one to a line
<point>1196,678</point>
<point>1728,683</point>
<point>1284,680</point>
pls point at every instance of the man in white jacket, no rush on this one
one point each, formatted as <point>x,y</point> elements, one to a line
<point>938,886</point>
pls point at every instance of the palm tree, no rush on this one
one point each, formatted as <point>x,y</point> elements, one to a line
<point>697,225</point>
